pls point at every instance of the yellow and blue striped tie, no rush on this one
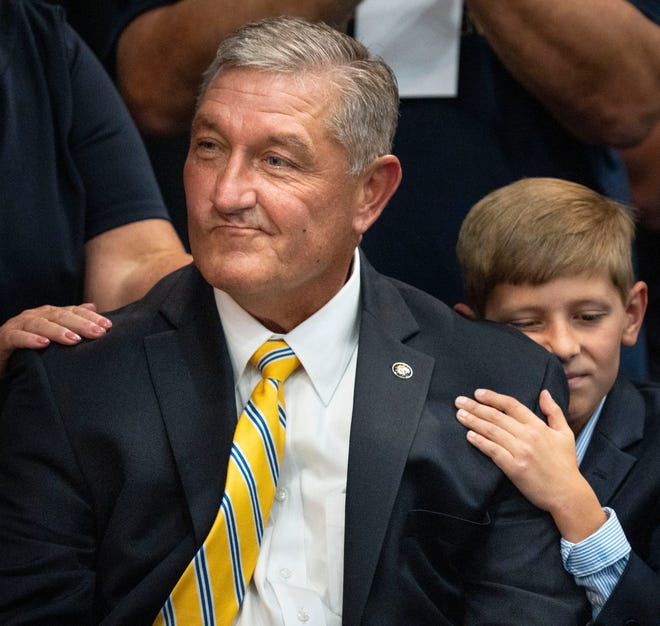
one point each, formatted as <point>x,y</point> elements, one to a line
<point>212,588</point>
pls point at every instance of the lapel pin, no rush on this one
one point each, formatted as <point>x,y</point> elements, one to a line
<point>402,370</point>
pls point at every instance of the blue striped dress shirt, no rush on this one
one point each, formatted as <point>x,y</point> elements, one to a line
<point>598,561</point>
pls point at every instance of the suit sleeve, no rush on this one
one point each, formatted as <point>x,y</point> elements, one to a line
<point>515,575</point>
<point>635,599</point>
<point>46,526</point>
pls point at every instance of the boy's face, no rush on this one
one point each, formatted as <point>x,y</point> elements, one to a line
<point>583,321</point>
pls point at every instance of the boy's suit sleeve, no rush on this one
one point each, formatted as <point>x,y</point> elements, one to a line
<point>636,598</point>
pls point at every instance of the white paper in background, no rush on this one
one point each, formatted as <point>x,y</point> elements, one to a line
<point>418,39</point>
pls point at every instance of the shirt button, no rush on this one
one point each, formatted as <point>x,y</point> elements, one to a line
<point>303,616</point>
<point>285,573</point>
<point>281,494</point>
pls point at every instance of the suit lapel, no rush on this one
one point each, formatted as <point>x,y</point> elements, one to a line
<point>192,376</point>
<point>191,373</point>
<point>621,424</point>
<point>386,412</point>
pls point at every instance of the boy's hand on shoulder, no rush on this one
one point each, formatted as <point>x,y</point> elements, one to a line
<point>539,458</point>
<point>36,328</point>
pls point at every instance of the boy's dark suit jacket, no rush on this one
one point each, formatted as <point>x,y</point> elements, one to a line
<point>622,464</point>
<point>113,457</point>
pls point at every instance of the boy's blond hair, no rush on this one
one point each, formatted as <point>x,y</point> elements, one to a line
<point>538,229</point>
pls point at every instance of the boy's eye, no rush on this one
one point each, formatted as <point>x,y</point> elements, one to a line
<point>590,317</point>
<point>525,324</point>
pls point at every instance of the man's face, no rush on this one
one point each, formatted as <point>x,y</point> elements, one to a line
<point>274,216</point>
<point>583,321</point>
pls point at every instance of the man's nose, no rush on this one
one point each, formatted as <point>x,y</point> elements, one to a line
<point>234,188</point>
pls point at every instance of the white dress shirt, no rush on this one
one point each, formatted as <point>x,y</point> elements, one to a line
<point>299,573</point>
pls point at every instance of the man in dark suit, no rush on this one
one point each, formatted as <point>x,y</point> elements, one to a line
<point>114,454</point>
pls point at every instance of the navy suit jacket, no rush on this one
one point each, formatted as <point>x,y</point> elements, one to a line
<point>622,464</point>
<point>113,457</point>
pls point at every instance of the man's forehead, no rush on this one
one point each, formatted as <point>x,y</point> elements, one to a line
<point>250,91</point>
<point>262,80</point>
<point>204,121</point>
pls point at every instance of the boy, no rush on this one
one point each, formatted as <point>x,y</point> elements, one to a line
<point>553,259</point>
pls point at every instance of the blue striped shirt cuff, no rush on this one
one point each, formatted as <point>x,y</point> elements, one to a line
<point>598,561</point>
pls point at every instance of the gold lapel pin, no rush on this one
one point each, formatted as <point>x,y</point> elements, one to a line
<point>402,370</point>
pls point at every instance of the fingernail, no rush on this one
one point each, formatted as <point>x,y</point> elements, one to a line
<point>461,400</point>
<point>461,413</point>
<point>72,336</point>
<point>479,392</point>
<point>106,323</point>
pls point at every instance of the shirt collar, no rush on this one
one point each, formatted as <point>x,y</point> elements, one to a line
<point>584,438</point>
<point>324,342</point>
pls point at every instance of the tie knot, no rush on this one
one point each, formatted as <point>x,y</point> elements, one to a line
<point>274,359</point>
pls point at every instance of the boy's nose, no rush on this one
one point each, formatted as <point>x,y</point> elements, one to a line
<point>561,340</point>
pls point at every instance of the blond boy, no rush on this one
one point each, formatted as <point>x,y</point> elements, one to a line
<point>553,259</point>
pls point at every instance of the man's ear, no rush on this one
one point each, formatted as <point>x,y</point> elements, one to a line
<point>467,312</point>
<point>638,298</point>
<point>378,184</point>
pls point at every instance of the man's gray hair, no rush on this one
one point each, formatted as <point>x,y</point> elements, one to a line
<point>365,116</point>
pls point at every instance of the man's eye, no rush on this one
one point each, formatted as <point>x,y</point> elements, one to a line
<point>276,161</point>
<point>205,148</point>
<point>206,145</point>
